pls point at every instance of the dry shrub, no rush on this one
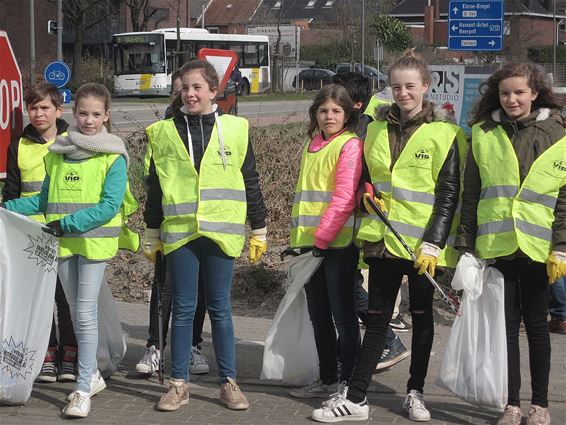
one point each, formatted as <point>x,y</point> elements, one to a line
<point>278,150</point>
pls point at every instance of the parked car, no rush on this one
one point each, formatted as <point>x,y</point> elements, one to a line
<point>378,78</point>
<point>314,78</point>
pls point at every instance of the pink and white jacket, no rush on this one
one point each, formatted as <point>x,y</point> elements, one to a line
<point>343,202</point>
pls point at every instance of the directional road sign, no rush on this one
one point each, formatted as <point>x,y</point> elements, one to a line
<point>66,93</point>
<point>57,73</point>
<point>475,25</point>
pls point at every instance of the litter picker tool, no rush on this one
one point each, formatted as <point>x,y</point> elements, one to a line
<point>434,283</point>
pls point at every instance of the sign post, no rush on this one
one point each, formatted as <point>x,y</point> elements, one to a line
<point>11,100</point>
<point>475,25</point>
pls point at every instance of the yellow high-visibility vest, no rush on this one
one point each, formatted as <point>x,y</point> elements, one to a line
<point>210,203</point>
<point>511,215</point>
<point>408,190</point>
<point>316,184</point>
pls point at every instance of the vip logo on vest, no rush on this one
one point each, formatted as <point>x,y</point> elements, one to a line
<point>558,168</point>
<point>72,178</point>
<point>422,157</point>
<point>15,359</point>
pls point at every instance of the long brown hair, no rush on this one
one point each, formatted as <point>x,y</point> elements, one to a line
<point>95,90</point>
<point>207,71</point>
<point>339,95</point>
<point>537,80</point>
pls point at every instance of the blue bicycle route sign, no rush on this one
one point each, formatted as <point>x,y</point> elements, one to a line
<point>57,73</point>
<point>475,25</point>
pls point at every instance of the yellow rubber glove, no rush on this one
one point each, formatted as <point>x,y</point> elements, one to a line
<point>556,266</point>
<point>427,258</point>
<point>151,243</point>
<point>378,202</point>
<point>258,244</point>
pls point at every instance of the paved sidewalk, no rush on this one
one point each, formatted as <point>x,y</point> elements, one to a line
<point>130,399</point>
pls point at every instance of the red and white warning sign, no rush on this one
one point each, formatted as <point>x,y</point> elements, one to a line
<point>11,99</point>
<point>223,61</point>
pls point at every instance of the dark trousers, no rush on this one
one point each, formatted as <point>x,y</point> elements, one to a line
<point>385,276</point>
<point>363,303</point>
<point>332,306</point>
<point>526,296</point>
<point>198,322</point>
<point>66,332</point>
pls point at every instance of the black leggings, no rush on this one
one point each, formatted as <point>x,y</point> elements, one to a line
<point>385,276</point>
<point>526,297</point>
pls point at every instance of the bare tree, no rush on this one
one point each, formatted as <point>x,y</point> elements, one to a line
<point>83,15</point>
<point>141,12</point>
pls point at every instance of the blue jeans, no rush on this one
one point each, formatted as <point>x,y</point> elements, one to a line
<point>81,280</point>
<point>557,305</point>
<point>331,301</point>
<point>216,269</point>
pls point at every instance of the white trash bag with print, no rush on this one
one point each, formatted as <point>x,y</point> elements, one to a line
<point>290,352</point>
<point>474,365</point>
<point>28,274</point>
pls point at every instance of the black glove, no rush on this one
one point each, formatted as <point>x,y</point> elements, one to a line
<point>2,205</point>
<point>319,252</point>
<point>54,228</point>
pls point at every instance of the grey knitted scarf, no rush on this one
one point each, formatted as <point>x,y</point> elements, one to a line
<point>77,145</point>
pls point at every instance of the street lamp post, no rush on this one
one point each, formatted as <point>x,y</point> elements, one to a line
<point>32,41</point>
<point>363,35</point>
<point>554,39</point>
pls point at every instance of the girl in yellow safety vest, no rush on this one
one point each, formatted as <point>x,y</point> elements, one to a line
<point>85,198</point>
<point>412,155</point>
<point>323,221</point>
<point>514,210</point>
<point>201,186</point>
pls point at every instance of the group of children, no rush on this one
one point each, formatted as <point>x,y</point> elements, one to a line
<point>202,184</point>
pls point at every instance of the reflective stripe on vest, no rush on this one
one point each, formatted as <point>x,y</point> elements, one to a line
<point>32,169</point>
<point>313,194</point>
<point>408,190</point>
<point>210,203</point>
<point>75,186</point>
<point>511,216</point>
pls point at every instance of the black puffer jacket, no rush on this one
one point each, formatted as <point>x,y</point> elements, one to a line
<point>530,137</point>
<point>448,184</point>
<point>200,127</point>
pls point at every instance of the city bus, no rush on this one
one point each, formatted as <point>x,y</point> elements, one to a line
<point>144,61</point>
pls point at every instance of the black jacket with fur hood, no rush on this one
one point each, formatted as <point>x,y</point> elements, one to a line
<point>530,137</point>
<point>448,185</point>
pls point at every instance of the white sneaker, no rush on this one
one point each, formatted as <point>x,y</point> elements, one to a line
<point>97,384</point>
<point>149,363</point>
<point>198,364</point>
<point>79,406</point>
<point>414,404</point>
<point>315,390</point>
<point>339,409</point>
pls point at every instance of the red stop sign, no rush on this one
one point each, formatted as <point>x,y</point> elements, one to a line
<point>11,99</point>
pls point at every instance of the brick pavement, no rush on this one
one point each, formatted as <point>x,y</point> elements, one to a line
<point>130,399</point>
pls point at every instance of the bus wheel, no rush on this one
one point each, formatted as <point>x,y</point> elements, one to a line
<point>245,88</point>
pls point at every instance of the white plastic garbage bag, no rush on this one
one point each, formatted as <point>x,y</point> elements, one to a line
<point>474,366</point>
<point>111,339</point>
<point>28,274</point>
<point>290,352</point>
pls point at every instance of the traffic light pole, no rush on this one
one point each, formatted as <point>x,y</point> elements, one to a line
<point>32,41</point>
<point>59,30</point>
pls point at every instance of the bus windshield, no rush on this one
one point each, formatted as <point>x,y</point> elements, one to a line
<point>139,54</point>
